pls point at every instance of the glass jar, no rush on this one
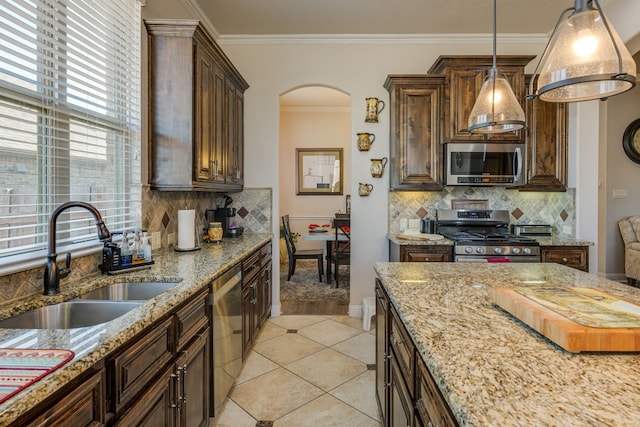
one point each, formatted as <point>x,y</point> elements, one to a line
<point>215,231</point>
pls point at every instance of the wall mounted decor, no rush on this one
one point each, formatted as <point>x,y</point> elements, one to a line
<point>374,107</point>
<point>377,167</point>
<point>631,141</point>
<point>364,189</point>
<point>319,171</point>
<point>365,140</point>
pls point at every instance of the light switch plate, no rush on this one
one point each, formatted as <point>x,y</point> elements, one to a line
<point>620,194</point>
<point>156,240</point>
<point>171,239</point>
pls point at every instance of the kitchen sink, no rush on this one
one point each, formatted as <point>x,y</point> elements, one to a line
<point>129,291</point>
<point>70,314</point>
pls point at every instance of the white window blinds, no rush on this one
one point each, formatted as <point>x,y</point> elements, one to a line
<point>69,121</point>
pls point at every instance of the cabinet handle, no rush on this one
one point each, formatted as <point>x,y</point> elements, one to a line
<point>174,404</point>
<point>184,384</point>
<point>564,259</point>
<point>179,387</point>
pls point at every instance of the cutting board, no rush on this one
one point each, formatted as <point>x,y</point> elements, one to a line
<point>419,236</point>
<point>576,319</point>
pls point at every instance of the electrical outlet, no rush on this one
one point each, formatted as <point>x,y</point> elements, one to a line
<point>171,239</point>
<point>620,194</point>
<point>156,240</point>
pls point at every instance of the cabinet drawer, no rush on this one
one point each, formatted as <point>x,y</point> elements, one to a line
<point>429,401</point>
<point>191,318</point>
<point>265,254</point>
<point>425,256</point>
<point>135,367</point>
<point>250,267</point>
<point>571,256</point>
<point>84,406</point>
<point>402,349</point>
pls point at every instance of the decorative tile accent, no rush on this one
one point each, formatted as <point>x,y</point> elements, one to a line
<point>165,220</point>
<point>422,212</point>
<point>371,367</point>
<point>264,424</point>
<point>292,331</point>
<point>564,215</point>
<point>517,213</point>
<point>243,212</point>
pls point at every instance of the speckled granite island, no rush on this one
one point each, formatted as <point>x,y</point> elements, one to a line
<point>92,344</point>
<point>491,369</point>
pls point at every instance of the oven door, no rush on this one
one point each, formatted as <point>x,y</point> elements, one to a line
<point>486,164</point>
<point>497,259</point>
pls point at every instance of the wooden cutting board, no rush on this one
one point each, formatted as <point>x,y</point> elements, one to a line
<point>420,236</point>
<point>576,319</point>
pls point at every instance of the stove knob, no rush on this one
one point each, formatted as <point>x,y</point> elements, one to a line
<point>527,251</point>
<point>497,250</point>
<point>480,250</point>
<point>468,249</point>
<point>515,250</point>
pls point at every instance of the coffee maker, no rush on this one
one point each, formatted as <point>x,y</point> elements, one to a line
<point>225,217</point>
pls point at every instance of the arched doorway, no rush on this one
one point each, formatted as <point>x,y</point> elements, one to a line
<point>312,117</point>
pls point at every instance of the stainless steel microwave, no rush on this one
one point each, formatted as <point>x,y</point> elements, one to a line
<point>485,164</point>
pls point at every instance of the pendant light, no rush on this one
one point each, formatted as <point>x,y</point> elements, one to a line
<point>496,109</point>
<point>584,59</point>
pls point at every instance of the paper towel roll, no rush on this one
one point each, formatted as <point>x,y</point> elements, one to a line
<point>186,229</point>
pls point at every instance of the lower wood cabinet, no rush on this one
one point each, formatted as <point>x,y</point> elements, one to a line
<point>256,295</point>
<point>572,256</point>
<point>420,253</point>
<point>406,392</point>
<point>83,405</point>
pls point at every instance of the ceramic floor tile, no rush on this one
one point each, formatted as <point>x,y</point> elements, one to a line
<point>327,368</point>
<point>329,332</point>
<point>287,348</point>
<point>297,322</point>
<point>255,365</point>
<point>361,347</point>
<point>360,393</point>
<point>270,330</point>
<point>326,411</point>
<point>270,396</point>
<point>231,415</point>
<point>354,322</point>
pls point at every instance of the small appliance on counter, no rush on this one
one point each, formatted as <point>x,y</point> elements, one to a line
<point>225,215</point>
<point>532,230</point>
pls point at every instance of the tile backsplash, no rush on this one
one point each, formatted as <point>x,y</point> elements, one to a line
<point>556,209</point>
<point>159,213</point>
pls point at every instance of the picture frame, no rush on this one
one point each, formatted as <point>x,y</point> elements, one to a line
<point>319,171</point>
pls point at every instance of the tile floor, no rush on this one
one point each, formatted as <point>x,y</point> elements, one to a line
<point>306,370</point>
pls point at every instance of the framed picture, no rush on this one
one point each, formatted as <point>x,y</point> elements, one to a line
<point>631,141</point>
<point>319,171</point>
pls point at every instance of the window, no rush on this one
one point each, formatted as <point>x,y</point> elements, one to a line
<point>69,122</point>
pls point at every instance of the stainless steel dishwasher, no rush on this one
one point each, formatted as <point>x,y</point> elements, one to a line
<point>226,331</point>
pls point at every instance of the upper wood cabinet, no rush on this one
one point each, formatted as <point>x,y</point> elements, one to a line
<point>464,76</point>
<point>416,123</point>
<point>196,110</point>
<point>546,137</point>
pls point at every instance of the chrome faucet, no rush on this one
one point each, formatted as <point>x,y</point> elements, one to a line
<point>53,273</point>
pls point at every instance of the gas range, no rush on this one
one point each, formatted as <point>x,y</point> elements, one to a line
<point>483,236</point>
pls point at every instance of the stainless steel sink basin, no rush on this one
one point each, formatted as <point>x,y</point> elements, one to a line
<point>129,291</point>
<point>70,314</point>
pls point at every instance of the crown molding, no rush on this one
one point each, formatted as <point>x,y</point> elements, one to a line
<point>196,12</point>
<point>427,39</point>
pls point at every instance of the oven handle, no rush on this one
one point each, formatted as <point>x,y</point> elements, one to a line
<point>518,166</point>
<point>515,259</point>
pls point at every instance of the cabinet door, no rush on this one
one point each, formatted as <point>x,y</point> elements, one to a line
<point>235,107</point>
<point>248,319</point>
<point>430,405</point>
<point>156,407</point>
<point>264,295</point>
<point>382,355</point>
<point>571,256</point>
<point>426,254</point>
<point>205,113</point>
<point>416,152</point>
<point>84,406</point>
<point>546,138</point>
<point>193,393</point>
<point>400,404</point>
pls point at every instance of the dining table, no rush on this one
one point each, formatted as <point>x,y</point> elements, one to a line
<point>329,236</point>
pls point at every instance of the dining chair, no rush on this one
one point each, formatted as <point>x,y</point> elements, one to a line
<point>341,253</point>
<point>295,254</point>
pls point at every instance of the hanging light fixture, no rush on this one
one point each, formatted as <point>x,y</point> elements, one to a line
<point>584,59</point>
<point>496,109</point>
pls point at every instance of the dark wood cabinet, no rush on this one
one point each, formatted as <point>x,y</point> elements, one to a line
<point>382,352</point>
<point>572,256</point>
<point>415,132</point>
<point>464,76</point>
<point>406,392</point>
<point>256,295</point>
<point>547,145</point>
<point>420,253</point>
<point>82,405</point>
<point>196,110</point>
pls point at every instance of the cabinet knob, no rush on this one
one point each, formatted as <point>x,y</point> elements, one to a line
<point>564,259</point>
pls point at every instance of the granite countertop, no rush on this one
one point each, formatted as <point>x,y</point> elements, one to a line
<point>91,344</point>
<point>494,370</point>
<point>543,240</point>
<point>399,241</point>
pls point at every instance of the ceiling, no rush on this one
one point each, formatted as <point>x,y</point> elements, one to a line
<point>332,17</point>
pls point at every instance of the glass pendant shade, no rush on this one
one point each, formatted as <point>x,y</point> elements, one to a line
<point>496,109</point>
<point>582,61</point>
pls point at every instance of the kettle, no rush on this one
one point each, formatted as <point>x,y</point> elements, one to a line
<point>427,226</point>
